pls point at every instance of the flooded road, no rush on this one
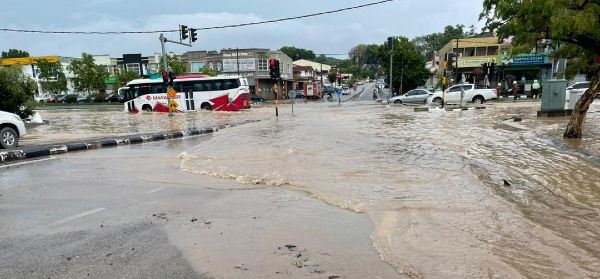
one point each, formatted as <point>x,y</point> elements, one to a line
<point>433,184</point>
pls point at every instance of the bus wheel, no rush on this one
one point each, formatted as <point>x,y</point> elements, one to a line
<point>147,108</point>
<point>206,106</point>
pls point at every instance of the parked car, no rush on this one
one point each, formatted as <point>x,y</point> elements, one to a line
<point>361,83</point>
<point>416,96</point>
<point>86,99</point>
<point>299,93</point>
<point>67,98</point>
<point>578,87</point>
<point>255,98</point>
<point>11,129</point>
<point>52,99</point>
<point>41,99</point>
<point>345,90</point>
<point>114,98</point>
<point>452,96</point>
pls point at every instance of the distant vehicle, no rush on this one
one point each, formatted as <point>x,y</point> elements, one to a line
<point>299,94</point>
<point>63,98</point>
<point>311,91</point>
<point>83,99</point>
<point>114,98</point>
<point>256,99</point>
<point>41,99</point>
<point>452,96</point>
<point>196,92</point>
<point>578,87</point>
<point>345,90</point>
<point>416,96</point>
<point>328,89</point>
<point>361,83</point>
<point>51,99</point>
<point>11,129</point>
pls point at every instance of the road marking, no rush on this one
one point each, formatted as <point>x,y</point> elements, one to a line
<point>155,190</point>
<point>79,216</point>
<point>25,163</point>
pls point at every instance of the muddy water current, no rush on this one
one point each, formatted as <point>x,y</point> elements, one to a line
<point>451,195</point>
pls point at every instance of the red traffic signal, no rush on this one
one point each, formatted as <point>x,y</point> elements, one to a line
<point>165,76</point>
<point>272,62</point>
<point>339,76</point>
<point>598,59</point>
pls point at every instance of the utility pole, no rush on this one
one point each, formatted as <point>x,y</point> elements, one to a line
<point>237,54</point>
<point>184,34</point>
<point>402,76</point>
<point>163,40</point>
<point>456,67</point>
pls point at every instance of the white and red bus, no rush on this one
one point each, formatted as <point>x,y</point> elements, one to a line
<point>193,93</point>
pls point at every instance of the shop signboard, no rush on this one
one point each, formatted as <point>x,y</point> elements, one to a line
<point>246,65</point>
<point>474,62</point>
<point>524,60</point>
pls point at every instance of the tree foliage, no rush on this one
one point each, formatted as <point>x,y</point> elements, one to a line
<point>408,59</point>
<point>321,59</point>
<point>332,77</point>
<point>427,44</point>
<point>15,53</point>
<point>87,75</point>
<point>124,77</point>
<point>364,54</point>
<point>298,53</point>
<point>572,27</point>
<point>174,64</point>
<point>52,76</point>
<point>208,71</point>
<point>15,89</point>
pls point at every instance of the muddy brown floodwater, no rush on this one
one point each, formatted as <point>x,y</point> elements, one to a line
<point>432,183</point>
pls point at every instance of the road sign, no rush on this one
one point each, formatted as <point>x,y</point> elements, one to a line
<point>173,105</point>
<point>292,94</point>
<point>171,93</point>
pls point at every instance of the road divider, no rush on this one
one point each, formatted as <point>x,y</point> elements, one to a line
<point>446,109</point>
<point>63,148</point>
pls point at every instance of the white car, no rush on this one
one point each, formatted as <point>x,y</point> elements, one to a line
<point>578,87</point>
<point>361,83</point>
<point>41,99</point>
<point>452,96</point>
<point>11,128</point>
<point>345,90</point>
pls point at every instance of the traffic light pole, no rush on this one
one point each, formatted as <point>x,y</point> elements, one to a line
<point>163,40</point>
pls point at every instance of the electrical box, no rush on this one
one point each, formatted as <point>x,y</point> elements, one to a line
<point>554,95</point>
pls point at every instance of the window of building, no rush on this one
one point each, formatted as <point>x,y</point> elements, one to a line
<point>219,66</point>
<point>211,65</point>
<point>492,50</point>
<point>197,67</point>
<point>133,67</point>
<point>470,51</point>
<point>263,64</point>
<point>105,68</point>
<point>481,51</point>
<point>458,52</point>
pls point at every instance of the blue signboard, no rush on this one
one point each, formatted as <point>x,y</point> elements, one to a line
<point>528,60</point>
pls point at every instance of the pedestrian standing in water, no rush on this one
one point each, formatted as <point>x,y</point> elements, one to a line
<point>515,89</point>
<point>535,89</point>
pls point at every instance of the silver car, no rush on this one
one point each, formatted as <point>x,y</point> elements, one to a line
<point>416,96</point>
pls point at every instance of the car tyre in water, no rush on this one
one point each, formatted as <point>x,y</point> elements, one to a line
<point>206,106</point>
<point>425,101</point>
<point>9,138</point>
<point>398,102</point>
<point>478,100</point>
<point>437,100</point>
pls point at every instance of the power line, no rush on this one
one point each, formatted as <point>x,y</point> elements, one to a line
<point>199,29</point>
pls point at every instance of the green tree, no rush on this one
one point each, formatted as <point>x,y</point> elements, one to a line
<point>174,64</point>
<point>15,53</point>
<point>298,53</point>
<point>332,77</point>
<point>207,71</point>
<point>87,75</point>
<point>574,25</point>
<point>124,77</point>
<point>409,64</point>
<point>427,44</point>
<point>52,76</point>
<point>321,59</point>
<point>15,89</point>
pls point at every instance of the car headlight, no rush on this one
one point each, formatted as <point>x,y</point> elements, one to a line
<point>17,117</point>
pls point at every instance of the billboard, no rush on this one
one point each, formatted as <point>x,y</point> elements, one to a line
<point>246,65</point>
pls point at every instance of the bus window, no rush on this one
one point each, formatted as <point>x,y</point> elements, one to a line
<point>208,85</point>
<point>198,86</point>
<point>218,85</point>
<point>231,84</point>
<point>157,88</point>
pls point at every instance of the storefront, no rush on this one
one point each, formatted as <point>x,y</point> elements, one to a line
<point>472,68</point>
<point>524,68</point>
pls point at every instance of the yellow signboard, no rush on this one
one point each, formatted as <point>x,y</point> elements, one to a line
<point>475,62</point>
<point>28,60</point>
<point>171,93</point>
<point>173,105</point>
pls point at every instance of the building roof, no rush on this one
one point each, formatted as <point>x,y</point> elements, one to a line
<point>315,65</point>
<point>303,68</point>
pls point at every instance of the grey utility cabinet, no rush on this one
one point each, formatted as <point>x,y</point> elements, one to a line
<point>554,94</point>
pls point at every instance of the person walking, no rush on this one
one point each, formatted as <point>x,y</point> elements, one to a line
<point>535,89</point>
<point>515,89</point>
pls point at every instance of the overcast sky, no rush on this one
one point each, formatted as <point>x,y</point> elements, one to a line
<point>335,33</point>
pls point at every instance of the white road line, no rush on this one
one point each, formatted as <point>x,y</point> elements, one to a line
<point>155,190</point>
<point>79,216</point>
<point>25,163</point>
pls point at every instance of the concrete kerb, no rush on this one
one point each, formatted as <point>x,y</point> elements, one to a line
<point>448,109</point>
<point>62,148</point>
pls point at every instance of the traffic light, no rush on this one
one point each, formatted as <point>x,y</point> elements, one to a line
<point>485,68</point>
<point>390,43</point>
<point>277,69</point>
<point>165,76</point>
<point>171,78</point>
<point>450,60</point>
<point>492,68</point>
<point>194,34</point>
<point>184,32</point>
